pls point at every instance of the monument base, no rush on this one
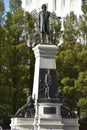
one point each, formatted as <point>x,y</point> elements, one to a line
<point>22,123</point>
<point>48,117</point>
<point>48,109</point>
<point>44,123</point>
<point>56,124</point>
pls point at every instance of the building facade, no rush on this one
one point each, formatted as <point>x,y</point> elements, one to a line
<point>60,7</point>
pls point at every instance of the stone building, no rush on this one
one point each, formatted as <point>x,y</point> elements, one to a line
<point>60,7</point>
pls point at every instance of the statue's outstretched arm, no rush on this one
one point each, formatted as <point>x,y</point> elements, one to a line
<point>54,16</point>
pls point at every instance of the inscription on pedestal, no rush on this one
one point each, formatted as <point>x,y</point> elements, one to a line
<point>49,110</point>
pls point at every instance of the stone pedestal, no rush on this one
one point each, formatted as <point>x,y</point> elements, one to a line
<point>48,108</point>
<point>22,123</point>
<point>48,115</point>
<point>45,60</point>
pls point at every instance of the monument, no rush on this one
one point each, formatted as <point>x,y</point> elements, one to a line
<point>49,113</point>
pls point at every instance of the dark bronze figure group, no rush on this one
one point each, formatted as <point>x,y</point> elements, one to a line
<point>28,109</point>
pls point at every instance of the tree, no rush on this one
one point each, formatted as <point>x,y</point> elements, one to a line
<point>66,55</point>
<point>81,86</point>
<point>84,7</point>
<point>4,89</point>
<point>17,57</point>
<point>83,23</point>
<point>14,4</point>
<point>16,62</point>
<point>2,9</point>
<point>71,60</point>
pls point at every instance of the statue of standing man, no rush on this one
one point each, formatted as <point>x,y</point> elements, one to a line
<point>44,16</point>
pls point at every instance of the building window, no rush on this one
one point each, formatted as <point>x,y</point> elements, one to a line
<point>55,4</point>
<point>26,2</point>
<point>63,2</point>
<point>29,1</point>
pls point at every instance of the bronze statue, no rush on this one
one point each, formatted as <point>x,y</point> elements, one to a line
<point>44,16</point>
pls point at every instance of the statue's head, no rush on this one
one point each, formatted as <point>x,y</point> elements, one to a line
<point>44,6</point>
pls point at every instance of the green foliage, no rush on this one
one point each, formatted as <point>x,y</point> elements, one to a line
<point>16,76</point>
<point>84,7</point>
<point>83,22</point>
<point>71,63</point>
<point>81,86</point>
<point>83,29</point>
<point>82,104</point>
<point>2,9</point>
<point>67,81</point>
<point>70,29</point>
<point>55,31</point>
<point>14,4</point>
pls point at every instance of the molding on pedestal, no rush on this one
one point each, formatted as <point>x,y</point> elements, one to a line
<point>47,51</point>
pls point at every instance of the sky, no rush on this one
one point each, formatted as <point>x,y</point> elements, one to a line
<point>6,5</point>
